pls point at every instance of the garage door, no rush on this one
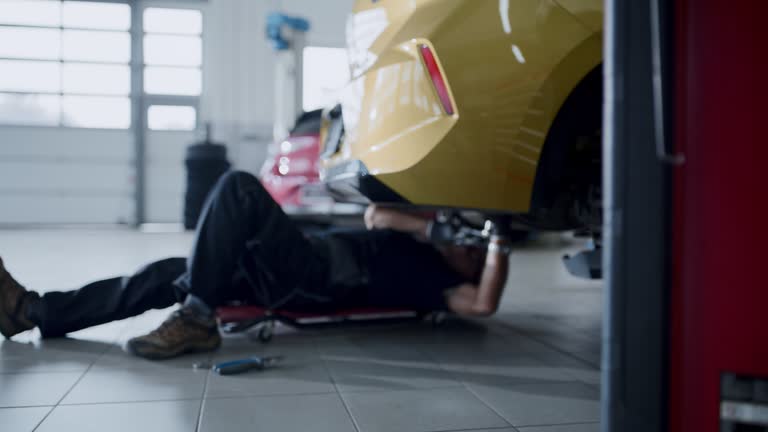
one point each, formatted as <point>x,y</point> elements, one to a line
<point>116,88</point>
<point>65,103</point>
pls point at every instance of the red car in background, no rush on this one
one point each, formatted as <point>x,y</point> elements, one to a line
<point>290,174</point>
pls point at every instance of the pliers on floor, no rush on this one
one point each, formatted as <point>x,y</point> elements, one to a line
<point>243,365</point>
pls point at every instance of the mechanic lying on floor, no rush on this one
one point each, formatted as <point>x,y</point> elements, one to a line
<point>242,228</point>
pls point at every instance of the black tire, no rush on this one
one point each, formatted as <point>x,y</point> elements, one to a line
<point>206,163</point>
<point>206,152</point>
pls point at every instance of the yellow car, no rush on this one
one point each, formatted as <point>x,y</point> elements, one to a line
<point>492,106</point>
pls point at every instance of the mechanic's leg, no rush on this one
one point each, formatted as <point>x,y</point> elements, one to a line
<point>238,213</point>
<point>58,313</point>
<point>240,216</point>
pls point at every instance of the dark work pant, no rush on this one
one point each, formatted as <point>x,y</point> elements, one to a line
<point>245,249</point>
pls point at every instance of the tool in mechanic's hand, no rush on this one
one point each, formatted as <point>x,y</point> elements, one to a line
<point>453,229</point>
<point>244,365</point>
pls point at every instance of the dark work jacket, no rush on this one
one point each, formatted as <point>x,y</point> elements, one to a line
<point>385,268</point>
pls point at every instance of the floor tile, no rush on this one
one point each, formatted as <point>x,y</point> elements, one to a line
<point>292,346</point>
<point>316,413</point>
<point>352,375</point>
<point>22,419</point>
<point>579,371</point>
<point>137,385</point>
<point>50,355</point>
<point>73,346</point>
<point>420,411</point>
<point>117,359</point>
<point>488,350</point>
<point>167,416</point>
<point>44,361</point>
<point>507,429</point>
<point>35,389</point>
<point>524,371</point>
<point>382,362</point>
<point>362,330</point>
<point>586,427</point>
<point>542,403</point>
<point>376,346</point>
<point>106,333</point>
<point>514,369</point>
<point>290,377</point>
<point>300,372</point>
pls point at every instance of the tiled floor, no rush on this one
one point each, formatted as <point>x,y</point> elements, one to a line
<point>531,368</point>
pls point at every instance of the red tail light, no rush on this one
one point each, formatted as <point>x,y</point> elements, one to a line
<point>437,78</point>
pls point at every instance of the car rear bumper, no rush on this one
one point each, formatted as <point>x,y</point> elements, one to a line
<point>351,181</point>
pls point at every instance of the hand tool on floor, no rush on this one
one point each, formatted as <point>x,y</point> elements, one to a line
<point>243,365</point>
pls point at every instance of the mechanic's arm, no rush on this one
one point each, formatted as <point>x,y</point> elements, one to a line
<point>385,218</point>
<point>483,299</point>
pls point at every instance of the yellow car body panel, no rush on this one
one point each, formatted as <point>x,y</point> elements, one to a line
<point>590,12</point>
<point>509,67</point>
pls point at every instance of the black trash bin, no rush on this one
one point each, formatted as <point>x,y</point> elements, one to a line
<point>206,161</point>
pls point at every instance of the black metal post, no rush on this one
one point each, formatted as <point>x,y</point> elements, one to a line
<point>637,210</point>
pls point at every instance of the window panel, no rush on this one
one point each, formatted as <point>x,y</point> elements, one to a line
<point>29,76</point>
<point>104,16</point>
<point>326,71</point>
<point>96,112</point>
<point>83,60</point>
<point>97,46</point>
<point>29,109</point>
<point>178,21</point>
<point>173,81</point>
<point>30,12</point>
<point>173,50</point>
<point>169,117</point>
<point>30,43</point>
<point>77,72</point>
<point>91,78</point>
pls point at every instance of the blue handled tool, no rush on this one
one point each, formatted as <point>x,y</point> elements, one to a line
<point>243,365</point>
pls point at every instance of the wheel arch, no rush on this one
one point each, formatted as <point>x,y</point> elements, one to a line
<point>580,115</point>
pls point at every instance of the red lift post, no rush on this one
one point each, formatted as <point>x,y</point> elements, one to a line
<point>719,308</point>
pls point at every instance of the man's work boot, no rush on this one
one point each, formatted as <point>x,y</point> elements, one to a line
<point>14,300</point>
<point>183,332</point>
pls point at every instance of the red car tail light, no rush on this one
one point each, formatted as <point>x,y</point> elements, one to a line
<point>437,78</point>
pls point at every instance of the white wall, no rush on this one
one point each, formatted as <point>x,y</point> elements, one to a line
<point>240,71</point>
